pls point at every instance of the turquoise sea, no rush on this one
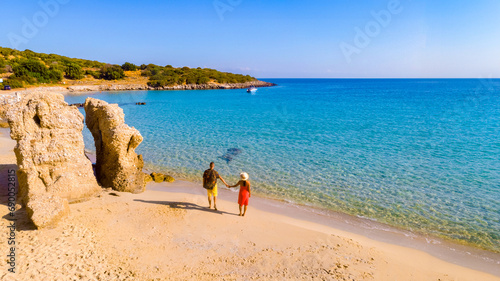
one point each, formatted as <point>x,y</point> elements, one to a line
<point>420,154</point>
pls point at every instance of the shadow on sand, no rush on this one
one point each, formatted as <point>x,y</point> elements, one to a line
<point>5,175</point>
<point>186,206</point>
<point>22,220</point>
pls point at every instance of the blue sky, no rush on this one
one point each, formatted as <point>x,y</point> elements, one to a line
<point>269,38</point>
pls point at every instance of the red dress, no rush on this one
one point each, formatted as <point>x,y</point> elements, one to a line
<point>244,195</point>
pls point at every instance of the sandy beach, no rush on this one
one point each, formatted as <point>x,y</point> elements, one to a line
<point>168,233</point>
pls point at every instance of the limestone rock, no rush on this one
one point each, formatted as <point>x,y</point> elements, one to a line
<point>169,178</point>
<point>6,102</point>
<point>50,153</point>
<point>117,164</point>
<point>148,178</point>
<point>46,210</point>
<point>157,177</point>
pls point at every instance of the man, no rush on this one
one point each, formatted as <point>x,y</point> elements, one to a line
<point>210,177</point>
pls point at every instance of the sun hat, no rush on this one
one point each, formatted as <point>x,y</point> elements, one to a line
<point>244,176</point>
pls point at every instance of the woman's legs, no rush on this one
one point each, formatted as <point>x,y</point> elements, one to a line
<point>244,210</point>
<point>240,210</point>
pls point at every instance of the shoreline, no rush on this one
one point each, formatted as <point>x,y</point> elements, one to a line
<point>168,231</point>
<point>447,250</point>
<point>116,86</point>
<point>364,225</point>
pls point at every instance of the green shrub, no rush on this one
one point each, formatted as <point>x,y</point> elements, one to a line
<point>156,83</point>
<point>53,75</point>
<point>191,79</point>
<point>112,72</point>
<point>33,68</point>
<point>29,54</point>
<point>14,83</point>
<point>74,71</point>
<point>32,71</point>
<point>129,66</point>
<point>151,70</point>
<point>58,66</point>
<point>90,63</point>
<point>95,74</point>
<point>203,80</point>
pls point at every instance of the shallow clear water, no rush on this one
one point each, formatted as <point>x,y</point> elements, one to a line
<point>422,154</point>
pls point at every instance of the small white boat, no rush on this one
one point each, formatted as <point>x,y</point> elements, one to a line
<point>252,89</point>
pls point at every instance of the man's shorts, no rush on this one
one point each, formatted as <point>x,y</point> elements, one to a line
<point>213,191</point>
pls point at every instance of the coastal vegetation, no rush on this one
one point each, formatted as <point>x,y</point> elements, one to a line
<point>23,68</point>
<point>170,76</point>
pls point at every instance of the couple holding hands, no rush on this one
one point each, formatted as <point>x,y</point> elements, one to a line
<point>210,177</point>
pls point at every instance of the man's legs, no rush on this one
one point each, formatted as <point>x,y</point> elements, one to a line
<point>210,193</point>
<point>215,193</point>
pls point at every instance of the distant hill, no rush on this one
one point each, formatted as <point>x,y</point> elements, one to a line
<point>24,68</point>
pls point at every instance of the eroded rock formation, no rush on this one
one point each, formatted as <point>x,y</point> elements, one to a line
<point>6,102</point>
<point>45,210</point>
<point>52,167</point>
<point>117,164</point>
<point>158,177</point>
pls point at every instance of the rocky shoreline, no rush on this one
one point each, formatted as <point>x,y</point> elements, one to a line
<point>134,87</point>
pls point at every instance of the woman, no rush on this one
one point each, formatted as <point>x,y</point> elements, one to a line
<point>244,192</point>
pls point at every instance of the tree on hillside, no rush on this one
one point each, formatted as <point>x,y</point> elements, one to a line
<point>53,75</point>
<point>28,54</point>
<point>13,83</point>
<point>32,71</point>
<point>112,72</point>
<point>129,66</point>
<point>74,71</point>
<point>191,79</point>
<point>203,80</point>
<point>29,67</point>
<point>2,65</point>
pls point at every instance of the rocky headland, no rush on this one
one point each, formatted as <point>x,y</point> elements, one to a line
<point>116,86</point>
